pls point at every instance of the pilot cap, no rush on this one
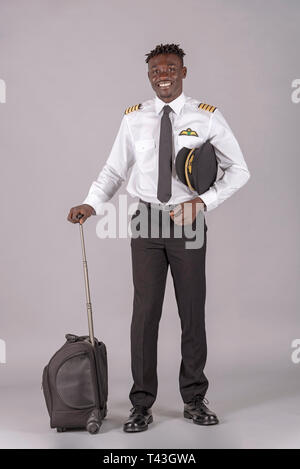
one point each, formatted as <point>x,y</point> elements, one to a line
<point>197,167</point>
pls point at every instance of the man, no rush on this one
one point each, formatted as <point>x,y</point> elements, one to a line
<point>149,138</point>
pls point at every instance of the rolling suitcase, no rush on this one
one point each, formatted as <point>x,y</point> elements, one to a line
<point>74,382</point>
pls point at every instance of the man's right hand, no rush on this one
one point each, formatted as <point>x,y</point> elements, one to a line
<point>85,210</point>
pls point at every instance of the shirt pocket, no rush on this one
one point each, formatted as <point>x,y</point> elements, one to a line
<point>189,141</point>
<point>145,154</point>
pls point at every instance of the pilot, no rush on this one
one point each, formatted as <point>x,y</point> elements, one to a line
<point>173,145</point>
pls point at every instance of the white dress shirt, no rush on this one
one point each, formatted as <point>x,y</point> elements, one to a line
<point>137,145</point>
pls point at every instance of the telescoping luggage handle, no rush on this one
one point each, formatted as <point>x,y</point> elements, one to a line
<point>87,286</point>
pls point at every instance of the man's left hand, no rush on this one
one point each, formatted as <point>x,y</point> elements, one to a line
<point>185,213</point>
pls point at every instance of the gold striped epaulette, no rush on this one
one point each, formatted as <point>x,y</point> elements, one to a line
<point>207,107</point>
<point>132,108</point>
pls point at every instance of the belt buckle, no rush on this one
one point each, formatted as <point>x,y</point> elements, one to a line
<point>166,207</point>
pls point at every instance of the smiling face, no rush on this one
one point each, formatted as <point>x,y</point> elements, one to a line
<point>166,72</point>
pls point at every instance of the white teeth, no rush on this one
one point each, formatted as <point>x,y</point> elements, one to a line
<point>166,83</point>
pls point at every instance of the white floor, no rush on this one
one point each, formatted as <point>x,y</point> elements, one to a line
<point>254,413</point>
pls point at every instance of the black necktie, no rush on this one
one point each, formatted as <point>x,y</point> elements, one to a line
<point>164,187</point>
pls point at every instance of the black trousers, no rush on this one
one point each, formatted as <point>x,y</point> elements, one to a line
<point>151,258</point>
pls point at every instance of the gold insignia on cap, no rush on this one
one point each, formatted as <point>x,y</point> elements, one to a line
<point>188,167</point>
<point>190,163</point>
<point>207,107</point>
<point>132,108</point>
<point>189,132</point>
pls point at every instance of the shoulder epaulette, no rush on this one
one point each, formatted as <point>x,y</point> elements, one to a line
<point>207,107</point>
<point>132,108</point>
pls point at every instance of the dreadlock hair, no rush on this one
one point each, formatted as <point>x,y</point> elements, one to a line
<point>166,49</point>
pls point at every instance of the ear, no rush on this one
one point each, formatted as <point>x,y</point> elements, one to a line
<point>184,72</point>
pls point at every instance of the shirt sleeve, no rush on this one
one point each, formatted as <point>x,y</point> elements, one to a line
<point>115,170</point>
<point>230,159</point>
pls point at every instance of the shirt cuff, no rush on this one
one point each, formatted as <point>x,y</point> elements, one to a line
<point>93,201</point>
<point>210,199</point>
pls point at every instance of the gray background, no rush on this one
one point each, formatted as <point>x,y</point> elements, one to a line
<point>71,68</point>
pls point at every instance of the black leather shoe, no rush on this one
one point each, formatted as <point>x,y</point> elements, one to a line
<point>197,410</point>
<point>139,418</point>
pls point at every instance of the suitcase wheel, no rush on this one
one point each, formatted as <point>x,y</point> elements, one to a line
<point>94,422</point>
<point>93,427</point>
<point>61,429</point>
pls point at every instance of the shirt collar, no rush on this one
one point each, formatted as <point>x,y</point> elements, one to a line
<point>176,105</point>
